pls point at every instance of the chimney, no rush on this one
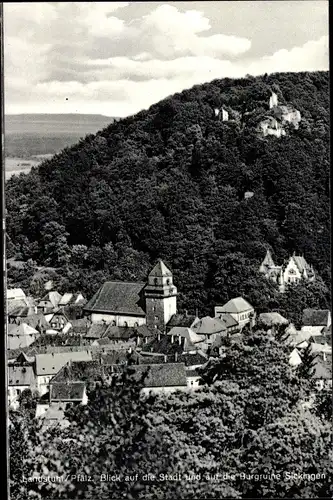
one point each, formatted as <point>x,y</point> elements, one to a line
<point>179,340</point>
<point>159,336</point>
<point>146,340</point>
<point>324,356</point>
<point>138,340</point>
<point>165,358</point>
<point>172,339</point>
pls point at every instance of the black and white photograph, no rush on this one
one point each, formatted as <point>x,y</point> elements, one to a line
<point>167,238</point>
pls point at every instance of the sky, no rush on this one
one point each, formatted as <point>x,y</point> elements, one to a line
<point>117,58</point>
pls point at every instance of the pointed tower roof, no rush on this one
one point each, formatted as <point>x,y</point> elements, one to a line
<point>268,260</point>
<point>160,270</point>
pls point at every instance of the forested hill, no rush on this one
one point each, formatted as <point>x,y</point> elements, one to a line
<point>170,182</point>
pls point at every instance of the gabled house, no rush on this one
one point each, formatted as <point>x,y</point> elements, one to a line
<point>162,378</point>
<point>20,378</point>
<point>182,320</point>
<point>193,379</point>
<point>239,309</point>
<point>54,416</point>
<point>209,327</point>
<point>68,392</point>
<point>20,336</point>
<point>96,331</point>
<point>16,299</point>
<point>230,323</point>
<point>49,303</point>
<point>186,337</point>
<point>48,365</point>
<point>59,322</point>
<point>295,269</point>
<point>272,319</point>
<point>20,313</point>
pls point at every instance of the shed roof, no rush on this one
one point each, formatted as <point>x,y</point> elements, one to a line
<point>117,297</point>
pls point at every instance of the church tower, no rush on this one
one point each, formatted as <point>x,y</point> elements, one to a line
<point>160,296</point>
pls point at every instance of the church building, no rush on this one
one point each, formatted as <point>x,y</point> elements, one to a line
<point>133,304</point>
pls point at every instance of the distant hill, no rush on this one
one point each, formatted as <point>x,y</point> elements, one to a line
<point>173,182</point>
<point>39,134</point>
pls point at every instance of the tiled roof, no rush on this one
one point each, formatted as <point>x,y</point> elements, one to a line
<point>208,326</point>
<point>21,375</point>
<point>318,339</point>
<point>322,369</point>
<point>117,297</point>
<point>52,297</point>
<point>118,357</point>
<point>325,348</point>
<point>96,331</point>
<point>229,321</point>
<point>272,318</point>
<point>21,329</point>
<point>19,341</point>
<point>160,270</point>
<point>79,371</point>
<point>55,415</point>
<point>187,333</point>
<point>35,320</point>
<point>236,305</point>
<point>50,364</point>
<point>315,317</point>
<point>198,358</point>
<point>22,311</point>
<point>182,320</point>
<point>15,294</point>
<point>80,325</point>
<point>162,375</point>
<point>120,332</point>
<point>67,391</point>
<point>145,331</point>
<point>13,305</point>
<point>163,346</point>
<point>301,263</point>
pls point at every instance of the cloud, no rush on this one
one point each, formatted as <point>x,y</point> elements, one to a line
<point>91,58</point>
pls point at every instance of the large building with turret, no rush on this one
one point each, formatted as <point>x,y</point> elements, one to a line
<point>133,304</point>
<point>292,271</point>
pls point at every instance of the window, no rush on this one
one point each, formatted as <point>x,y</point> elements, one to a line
<point>113,323</point>
<point>168,281</point>
<point>155,281</point>
<point>136,324</point>
<point>125,324</point>
<point>18,392</point>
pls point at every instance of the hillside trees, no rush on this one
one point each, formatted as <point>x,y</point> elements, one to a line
<point>174,178</point>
